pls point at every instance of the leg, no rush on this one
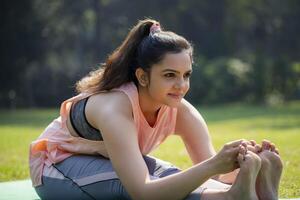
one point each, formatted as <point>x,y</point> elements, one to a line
<point>92,177</point>
<point>268,179</point>
<point>159,169</point>
<point>244,185</point>
<point>82,177</point>
<point>57,188</point>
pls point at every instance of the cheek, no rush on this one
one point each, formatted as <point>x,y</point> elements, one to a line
<point>158,83</point>
<point>187,87</point>
<point>155,87</point>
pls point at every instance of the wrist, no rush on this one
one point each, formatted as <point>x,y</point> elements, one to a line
<point>100,148</point>
<point>94,147</point>
<point>213,166</point>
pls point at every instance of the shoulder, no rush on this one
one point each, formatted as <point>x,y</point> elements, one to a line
<point>113,103</point>
<point>111,98</point>
<point>188,116</point>
<point>186,108</point>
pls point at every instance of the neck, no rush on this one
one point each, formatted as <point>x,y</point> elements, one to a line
<point>147,104</point>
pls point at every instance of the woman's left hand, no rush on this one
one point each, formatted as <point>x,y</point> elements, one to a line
<point>252,146</point>
<point>79,145</point>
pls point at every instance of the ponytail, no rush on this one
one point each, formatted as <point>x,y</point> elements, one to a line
<point>139,49</point>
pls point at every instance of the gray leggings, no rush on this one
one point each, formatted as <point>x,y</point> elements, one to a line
<point>93,177</point>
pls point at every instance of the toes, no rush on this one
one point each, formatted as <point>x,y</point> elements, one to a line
<point>245,144</point>
<point>242,150</point>
<point>272,147</point>
<point>253,142</point>
<point>251,148</point>
<point>266,145</point>
<point>258,148</point>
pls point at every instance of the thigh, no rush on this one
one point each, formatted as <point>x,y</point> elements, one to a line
<point>82,177</point>
<point>53,189</point>
<point>93,177</point>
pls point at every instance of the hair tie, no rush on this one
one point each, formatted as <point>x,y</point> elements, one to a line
<point>154,28</point>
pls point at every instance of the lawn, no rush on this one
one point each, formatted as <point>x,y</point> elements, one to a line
<point>280,124</point>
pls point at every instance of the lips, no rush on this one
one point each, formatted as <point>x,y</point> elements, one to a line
<point>175,95</point>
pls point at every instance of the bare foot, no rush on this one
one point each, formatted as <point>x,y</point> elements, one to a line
<point>268,178</point>
<point>244,186</point>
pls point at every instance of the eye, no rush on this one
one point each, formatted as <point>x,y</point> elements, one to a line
<point>169,75</point>
<point>188,75</point>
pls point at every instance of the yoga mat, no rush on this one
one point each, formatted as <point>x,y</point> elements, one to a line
<point>17,190</point>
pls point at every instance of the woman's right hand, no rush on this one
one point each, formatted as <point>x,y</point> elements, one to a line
<point>226,159</point>
<point>80,145</point>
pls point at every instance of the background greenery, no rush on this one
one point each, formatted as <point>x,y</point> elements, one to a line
<point>244,50</point>
<point>280,124</point>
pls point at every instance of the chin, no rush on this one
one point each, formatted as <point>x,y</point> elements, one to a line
<point>173,104</point>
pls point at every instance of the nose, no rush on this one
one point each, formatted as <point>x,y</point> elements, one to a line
<point>180,83</point>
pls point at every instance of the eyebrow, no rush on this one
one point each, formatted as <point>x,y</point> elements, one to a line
<point>172,70</point>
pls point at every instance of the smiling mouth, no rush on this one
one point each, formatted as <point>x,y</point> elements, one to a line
<point>175,96</point>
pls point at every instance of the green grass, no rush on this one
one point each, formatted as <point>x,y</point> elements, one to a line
<point>229,122</point>
<point>17,130</point>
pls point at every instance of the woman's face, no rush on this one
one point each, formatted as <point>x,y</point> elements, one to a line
<point>170,78</point>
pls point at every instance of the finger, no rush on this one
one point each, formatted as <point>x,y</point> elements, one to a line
<point>253,142</point>
<point>276,151</point>
<point>63,147</point>
<point>235,150</point>
<point>236,143</point>
<point>70,139</point>
<point>251,148</point>
<point>242,150</point>
<point>245,143</point>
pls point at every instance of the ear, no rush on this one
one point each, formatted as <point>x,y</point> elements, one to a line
<point>142,77</point>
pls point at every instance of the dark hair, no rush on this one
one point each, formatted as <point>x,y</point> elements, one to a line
<point>139,49</point>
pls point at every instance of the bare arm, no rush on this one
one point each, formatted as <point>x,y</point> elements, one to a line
<point>192,129</point>
<point>121,142</point>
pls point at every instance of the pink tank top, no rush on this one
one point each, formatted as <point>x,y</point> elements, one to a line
<point>44,151</point>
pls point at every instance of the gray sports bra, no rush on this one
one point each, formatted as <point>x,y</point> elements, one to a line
<point>80,124</point>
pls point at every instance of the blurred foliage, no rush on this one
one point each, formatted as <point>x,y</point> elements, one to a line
<point>244,50</point>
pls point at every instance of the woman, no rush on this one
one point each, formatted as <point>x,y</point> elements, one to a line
<point>97,148</point>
